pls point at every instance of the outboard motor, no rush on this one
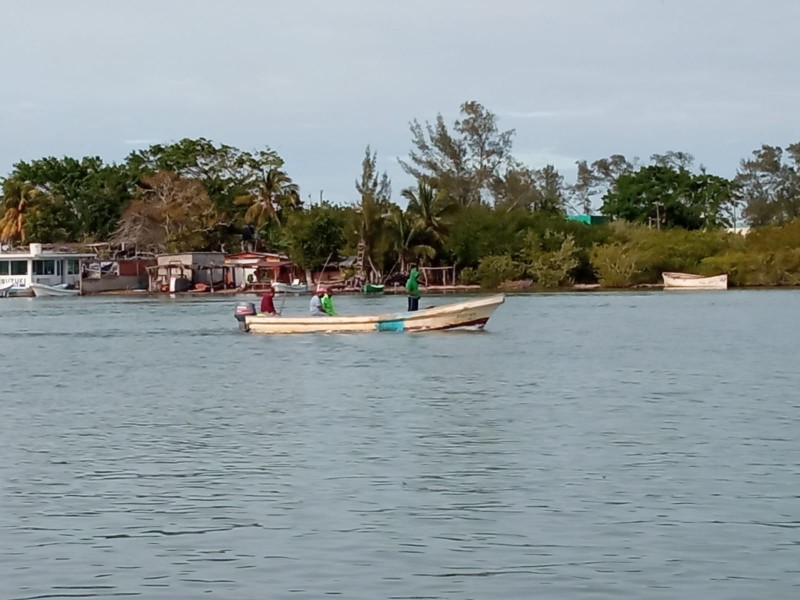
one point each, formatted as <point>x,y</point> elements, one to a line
<point>244,309</point>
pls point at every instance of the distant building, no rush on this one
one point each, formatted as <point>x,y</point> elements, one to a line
<point>182,271</point>
<point>588,219</point>
<point>257,267</point>
<point>21,268</point>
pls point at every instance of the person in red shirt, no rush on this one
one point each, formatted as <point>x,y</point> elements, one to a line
<point>268,303</point>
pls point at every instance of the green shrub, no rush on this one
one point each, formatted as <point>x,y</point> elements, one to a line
<point>494,270</point>
<point>552,259</point>
<point>469,276</point>
<point>616,263</point>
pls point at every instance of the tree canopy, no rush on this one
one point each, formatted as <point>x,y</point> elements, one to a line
<point>471,203</point>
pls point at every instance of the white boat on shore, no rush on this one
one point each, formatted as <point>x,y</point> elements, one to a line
<point>289,288</point>
<point>471,314</point>
<point>688,281</point>
<point>63,289</point>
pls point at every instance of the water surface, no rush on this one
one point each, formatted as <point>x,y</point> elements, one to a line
<point>630,445</point>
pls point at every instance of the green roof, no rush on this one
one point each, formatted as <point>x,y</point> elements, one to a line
<point>588,219</point>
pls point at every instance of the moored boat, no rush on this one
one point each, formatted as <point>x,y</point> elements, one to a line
<point>63,289</point>
<point>289,288</point>
<point>5,289</point>
<point>689,281</point>
<point>468,314</point>
<point>372,288</point>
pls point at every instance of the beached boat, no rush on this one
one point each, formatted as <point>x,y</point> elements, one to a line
<point>5,289</point>
<point>63,289</point>
<point>688,281</point>
<point>469,314</point>
<point>372,288</point>
<point>289,288</point>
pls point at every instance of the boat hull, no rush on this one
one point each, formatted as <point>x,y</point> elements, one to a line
<point>5,289</point>
<point>41,290</point>
<point>469,314</point>
<point>687,281</point>
<point>372,288</point>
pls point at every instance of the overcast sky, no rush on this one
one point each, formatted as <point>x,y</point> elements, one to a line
<point>318,81</point>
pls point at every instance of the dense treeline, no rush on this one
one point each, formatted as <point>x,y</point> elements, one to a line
<point>473,205</point>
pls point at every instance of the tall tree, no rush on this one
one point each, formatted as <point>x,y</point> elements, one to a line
<point>404,238</point>
<point>269,196</point>
<point>89,195</point>
<point>375,192</point>
<point>18,199</point>
<point>770,185</point>
<point>668,197</point>
<point>315,235</point>
<point>516,189</point>
<point>463,163</point>
<point>430,211</point>
<point>169,213</point>
<point>598,179</point>
<point>718,198</point>
<point>225,172</point>
<point>550,186</point>
<point>531,189</point>
<point>672,159</point>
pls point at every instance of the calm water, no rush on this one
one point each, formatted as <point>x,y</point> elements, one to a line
<point>585,446</point>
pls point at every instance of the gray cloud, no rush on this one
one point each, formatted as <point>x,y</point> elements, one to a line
<point>318,81</point>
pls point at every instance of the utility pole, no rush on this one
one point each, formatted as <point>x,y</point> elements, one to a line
<point>320,197</point>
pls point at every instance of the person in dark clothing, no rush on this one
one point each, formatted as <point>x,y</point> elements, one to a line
<point>412,289</point>
<point>248,238</point>
<point>268,302</point>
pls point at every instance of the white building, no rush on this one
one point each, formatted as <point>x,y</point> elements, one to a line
<point>40,266</point>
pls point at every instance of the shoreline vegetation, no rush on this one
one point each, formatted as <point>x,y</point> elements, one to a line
<point>474,206</point>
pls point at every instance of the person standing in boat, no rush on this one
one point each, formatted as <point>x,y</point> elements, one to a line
<point>327,303</point>
<point>315,306</point>
<point>268,302</point>
<point>412,289</point>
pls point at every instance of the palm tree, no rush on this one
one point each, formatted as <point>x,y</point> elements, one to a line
<point>429,210</point>
<point>273,192</point>
<point>404,238</point>
<point>371,231</point>
<point>375,190</point>
<point>18,198</point>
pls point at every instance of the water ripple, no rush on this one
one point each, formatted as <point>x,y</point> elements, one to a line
<point>588,445</point>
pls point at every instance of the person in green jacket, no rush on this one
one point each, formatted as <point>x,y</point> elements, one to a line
<point>327,303</point>
<point>412,289</point>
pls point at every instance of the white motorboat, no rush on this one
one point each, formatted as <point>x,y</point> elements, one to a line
<point>62,289</point>
<point>289,288</point>
<point>470,314</point>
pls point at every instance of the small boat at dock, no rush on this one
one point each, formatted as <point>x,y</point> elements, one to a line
<point>64,289</point>
<point>472,314</point>
<point>372,288</point>
<point>688,281</point>
<point>5,289</point>
<point>289,288</point>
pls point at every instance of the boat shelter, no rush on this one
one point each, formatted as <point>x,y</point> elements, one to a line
<point>184,271</point>
<point>254,269</point>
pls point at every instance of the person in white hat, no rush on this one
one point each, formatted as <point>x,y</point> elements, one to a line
<point>315,307</point>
